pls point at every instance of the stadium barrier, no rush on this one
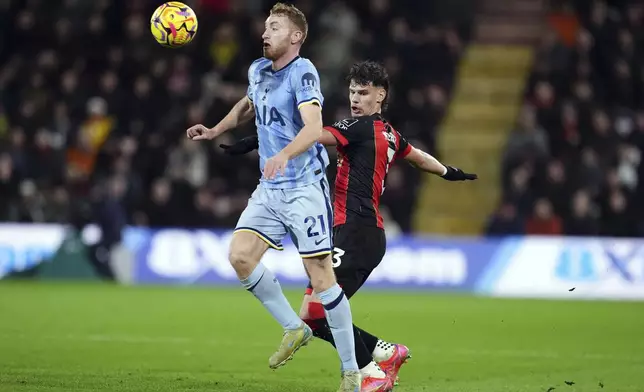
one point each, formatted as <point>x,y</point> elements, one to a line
<point>537,267</point>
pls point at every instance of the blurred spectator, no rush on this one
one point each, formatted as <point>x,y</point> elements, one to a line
<point>188,161</point>
<point>518,192</point>
<point>203,213</point>
<point>87,97</point>
<point>93,132</point>
<point>557,187</point>
<point>582,220</point>
<point>617,220</point>
<point>505,221</point>
<point>543,220</point>
<point>9,183</point>
<point>589,131</point>
<point>111,218</point>
<point>589,171</point>
<point>57,210</point>
<point>526,140</point>
<point>160,211</point>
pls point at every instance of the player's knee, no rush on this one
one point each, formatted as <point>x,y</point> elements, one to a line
<point>242,261</point>
<point>246,250</point>
<point>321,283</point>
<point>321,273</point>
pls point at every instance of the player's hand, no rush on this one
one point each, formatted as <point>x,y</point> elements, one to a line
<point>200,132</point>
<point>275,165</point>
<point>456,174</point>
<point>244,146</point>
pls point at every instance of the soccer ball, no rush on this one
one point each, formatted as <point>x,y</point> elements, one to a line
<point>173,24</point>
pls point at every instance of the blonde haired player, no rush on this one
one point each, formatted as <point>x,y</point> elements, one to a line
<point>292,197</point>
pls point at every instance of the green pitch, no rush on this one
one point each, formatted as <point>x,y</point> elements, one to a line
<point>73,337</point>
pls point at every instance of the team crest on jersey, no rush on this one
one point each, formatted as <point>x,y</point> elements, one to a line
<point>345,124</point>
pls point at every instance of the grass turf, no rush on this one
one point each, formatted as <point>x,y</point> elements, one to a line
<point>94,337</point>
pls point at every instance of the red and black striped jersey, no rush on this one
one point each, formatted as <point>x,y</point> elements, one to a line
<point>366,147</point>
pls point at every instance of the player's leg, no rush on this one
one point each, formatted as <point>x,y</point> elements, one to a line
<point>351,279</point>
<point>379,350</point>
<point>307,212</point>
<point>310,313</point>
<point>373,377</point>
<point>352,248</point>
<point>336,308</point>
<point>358,251</point>
<point>246,251</point>
<point>256,231</point>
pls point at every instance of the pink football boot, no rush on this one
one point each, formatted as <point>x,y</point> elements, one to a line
<point>392,365</point>
<point>374,384</point>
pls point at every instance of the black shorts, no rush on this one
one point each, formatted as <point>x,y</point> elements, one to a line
<point>357,251</point>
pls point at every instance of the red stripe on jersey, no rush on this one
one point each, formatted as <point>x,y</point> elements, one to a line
<point>338,135</point>
<point>381,163</point>
<point>341,187</point>
<point>406,152</point>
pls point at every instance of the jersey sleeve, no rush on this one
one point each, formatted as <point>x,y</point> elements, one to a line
<point>404,148</point>
<point>254,77</point>
<point>249,91</point>
<point>305,83</point>
<point>349,130</point>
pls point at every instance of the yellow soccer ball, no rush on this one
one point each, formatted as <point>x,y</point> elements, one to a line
<point>174,24</point>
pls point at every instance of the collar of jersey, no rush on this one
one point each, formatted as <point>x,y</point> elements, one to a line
<point>375,116</point>
<point>270,66</point>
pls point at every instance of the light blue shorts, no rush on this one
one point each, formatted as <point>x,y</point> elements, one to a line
<point>305,213</point>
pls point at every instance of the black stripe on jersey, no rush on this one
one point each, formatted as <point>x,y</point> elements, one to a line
<point>329,209</point>
<point>363,163</point>
<point>319,156</point>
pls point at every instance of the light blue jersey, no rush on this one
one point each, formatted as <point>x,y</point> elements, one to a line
<point>277,97</point>
<point>297,203</point>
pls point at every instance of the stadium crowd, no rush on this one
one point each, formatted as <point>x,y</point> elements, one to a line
<point>93,112</point>
<point>573,164</point>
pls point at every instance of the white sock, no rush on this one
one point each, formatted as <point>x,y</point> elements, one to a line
<point>383,351</point>
<point>372,370</point>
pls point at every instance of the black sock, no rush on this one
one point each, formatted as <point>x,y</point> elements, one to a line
<point>369,340</point>
<point>363,355</point>
<point>322,331</point>
<point>363,349</point>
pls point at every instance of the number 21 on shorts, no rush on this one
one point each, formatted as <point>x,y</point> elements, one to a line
<point>312,225</point>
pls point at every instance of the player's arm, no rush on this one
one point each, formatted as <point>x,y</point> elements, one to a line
<point>250,143</point>
<point>309,134</point>
<point>327,137</point>
<point>242,112</point>
<point>427,163</point>
<point>345,132</point>
<point>304,83</point>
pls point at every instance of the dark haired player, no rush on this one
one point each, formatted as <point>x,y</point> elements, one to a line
<point>367,145</point>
